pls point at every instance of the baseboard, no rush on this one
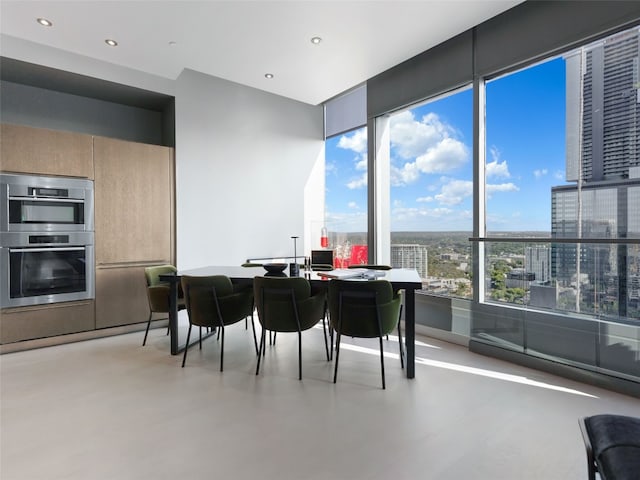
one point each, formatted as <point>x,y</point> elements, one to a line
<point>443,335</point>
<point>79,337</point>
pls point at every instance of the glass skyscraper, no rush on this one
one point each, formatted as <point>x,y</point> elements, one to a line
<point>601,200</point>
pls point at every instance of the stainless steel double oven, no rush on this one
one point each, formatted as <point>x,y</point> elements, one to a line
<point>46,240</point>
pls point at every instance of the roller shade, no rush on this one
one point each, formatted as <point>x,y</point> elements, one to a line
<point>346,112</point>
<point>521,35</point>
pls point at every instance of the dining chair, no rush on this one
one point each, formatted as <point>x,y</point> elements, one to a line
<point>371,266</point>
<point>215,302</point>
<point>288,305</point>
<point>158,293</point>
<point>364,309</point>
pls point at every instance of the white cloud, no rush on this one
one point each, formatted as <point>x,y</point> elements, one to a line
<point>501,187</point>
<point>356,142</point>
<point>358,182</point>
<point>441,218</point>
<point>355,221</point>
<point>424,199</point>
<point>496,168</point>
<point>431,143</point>
<point>540,172</point>
<point>353,205</point>
<point>454,192</point>
<point>559,175</point>
<point>361,164</point>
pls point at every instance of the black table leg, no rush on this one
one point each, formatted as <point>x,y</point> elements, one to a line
<point>173,315</point>
<point>410,330</point>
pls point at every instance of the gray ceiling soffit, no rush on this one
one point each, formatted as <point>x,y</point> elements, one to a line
<point>24,73</point>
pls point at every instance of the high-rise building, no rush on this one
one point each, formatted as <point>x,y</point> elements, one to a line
<point>410,256</point>
<point>537,260</point>
<point>603,166</point>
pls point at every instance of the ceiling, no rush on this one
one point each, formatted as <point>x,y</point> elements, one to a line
<point>243,40</point>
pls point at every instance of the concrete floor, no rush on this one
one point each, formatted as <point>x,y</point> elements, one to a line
<point>112,409</point>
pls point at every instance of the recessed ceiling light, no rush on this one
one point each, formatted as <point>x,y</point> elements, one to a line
<point>316,40</point>
<point>44,22</point>
<point>111,43</point>
<point>268,75</point>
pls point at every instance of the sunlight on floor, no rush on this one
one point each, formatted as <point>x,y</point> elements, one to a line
<point>472,370</point>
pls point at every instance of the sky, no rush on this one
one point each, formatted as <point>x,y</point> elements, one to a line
<point>431,159</point>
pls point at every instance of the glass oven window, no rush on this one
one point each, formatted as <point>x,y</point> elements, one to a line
<point>25,211</point>
<point>47,271</point>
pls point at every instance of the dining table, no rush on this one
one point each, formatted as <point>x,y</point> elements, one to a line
<point>402,279</point>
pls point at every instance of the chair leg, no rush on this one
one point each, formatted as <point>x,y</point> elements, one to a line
<point>335,369</point>
<point>382,363</point>
<point>200,329</point>
<point>147,331</point>
<point>330,341</point>
<point>324,332</point>
<point>222,349</point>
<point>263,336</point>
<point>186,347</point>
<point>255,338</point>
<point>299,355</point>
<point>400,343</point>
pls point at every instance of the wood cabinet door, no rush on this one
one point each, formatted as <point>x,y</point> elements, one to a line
<point>121,296</point>
<point>41,321</point>
<point>45,152</point>
<point>133,202</point>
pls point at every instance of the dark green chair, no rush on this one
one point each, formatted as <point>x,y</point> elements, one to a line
<point>364,309</point>
<point>158,293</point>
<point>215,302</point>
<point>288,305</point>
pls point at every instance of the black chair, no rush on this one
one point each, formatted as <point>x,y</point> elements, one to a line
<point>158,293</point>
<point>215,302</point>
<point>288,305</point>
<point>613,446</point>
<point>364,309</point>
<point>371,266</point>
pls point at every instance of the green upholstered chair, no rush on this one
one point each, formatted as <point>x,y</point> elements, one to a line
<point>158,293</point>
<point>215,302</point>
<point>288,305</point>
<point>365,309</point>
<point>371,266</point>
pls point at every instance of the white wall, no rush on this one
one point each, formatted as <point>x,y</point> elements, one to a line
<point>249,171</point>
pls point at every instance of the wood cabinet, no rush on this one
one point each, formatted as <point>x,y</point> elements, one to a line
<point>121,296</point>
<point>45,152</point>
<point>133,225</point>
<point>40,321</point>
<point>133,202</point>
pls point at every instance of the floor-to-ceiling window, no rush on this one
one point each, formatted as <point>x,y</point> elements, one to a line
<point>562,149</point>
<point>562,171</point>
<point>346,197</point>
<point>555,150</point>
<point>429,175</point>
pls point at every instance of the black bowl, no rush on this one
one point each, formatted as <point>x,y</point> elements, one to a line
<point>275,267</point>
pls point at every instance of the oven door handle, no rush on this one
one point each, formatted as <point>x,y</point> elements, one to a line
<point>49,199</point>
<point>50,249</point>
